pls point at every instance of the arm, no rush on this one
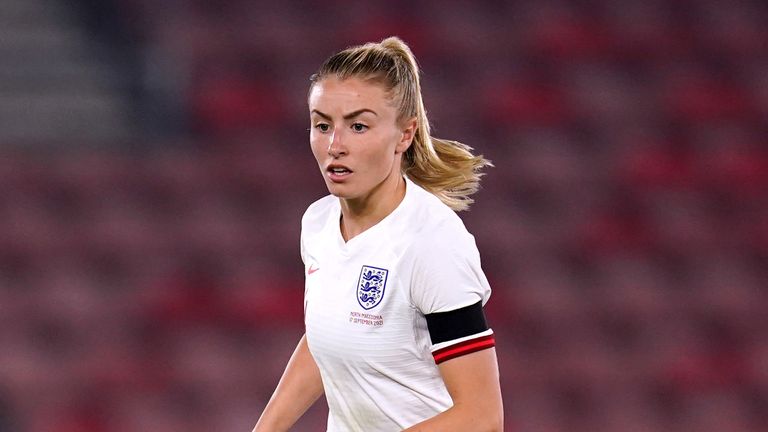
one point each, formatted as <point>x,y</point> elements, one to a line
<point>299,387</point>
<point>473,383</point>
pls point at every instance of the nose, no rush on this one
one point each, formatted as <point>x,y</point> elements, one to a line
<point>335,148</point>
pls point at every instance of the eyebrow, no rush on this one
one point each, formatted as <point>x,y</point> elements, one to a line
<point>351,115</point>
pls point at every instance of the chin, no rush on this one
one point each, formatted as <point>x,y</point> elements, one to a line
<point>340,191</point>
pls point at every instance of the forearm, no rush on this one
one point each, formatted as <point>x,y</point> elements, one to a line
<point>299,387</point>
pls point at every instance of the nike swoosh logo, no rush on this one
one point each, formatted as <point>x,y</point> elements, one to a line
<point>312,270</point>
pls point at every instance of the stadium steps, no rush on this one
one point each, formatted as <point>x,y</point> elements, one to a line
<point>54,85</point>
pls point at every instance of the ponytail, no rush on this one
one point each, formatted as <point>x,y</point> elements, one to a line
<point>447,169</point>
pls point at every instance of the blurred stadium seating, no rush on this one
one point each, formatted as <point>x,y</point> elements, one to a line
<point>156,167</point>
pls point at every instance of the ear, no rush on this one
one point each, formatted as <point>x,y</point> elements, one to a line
<point>407,133</point>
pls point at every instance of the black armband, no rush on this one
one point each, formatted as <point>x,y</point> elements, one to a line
<point>455,324</point>
<point>459,325</point>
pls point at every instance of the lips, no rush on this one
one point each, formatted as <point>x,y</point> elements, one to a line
<point>339,169</point>
<point>337,172</point>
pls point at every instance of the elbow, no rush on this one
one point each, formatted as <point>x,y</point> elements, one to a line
<point>491,422</point>
<point>495,422</point>
<point>489,426</point>
<point>497,426</point>
<point>481,418</point>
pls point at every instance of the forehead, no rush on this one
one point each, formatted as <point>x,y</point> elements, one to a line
<point>349,94</point>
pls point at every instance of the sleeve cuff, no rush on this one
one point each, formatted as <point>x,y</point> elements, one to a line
<point>463,346</point>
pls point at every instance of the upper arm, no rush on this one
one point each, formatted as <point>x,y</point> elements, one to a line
<point>472,381</point>
<point>450,289</point>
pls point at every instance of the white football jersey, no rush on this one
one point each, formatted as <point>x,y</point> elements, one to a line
<point>365,304</point>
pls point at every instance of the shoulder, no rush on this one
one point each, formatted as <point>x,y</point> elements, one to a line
<point>433,217</point>
<point>444,263</point>
<point>317,213</point>
<point>436,224</point>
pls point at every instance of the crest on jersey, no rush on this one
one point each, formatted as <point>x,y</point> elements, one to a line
<point>370,286</point>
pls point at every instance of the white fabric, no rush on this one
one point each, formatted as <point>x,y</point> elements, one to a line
<point>446,344</point>
<point>376,364</point>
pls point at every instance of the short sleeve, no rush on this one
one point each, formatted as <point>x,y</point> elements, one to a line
<point>449,287</point>
<point>446,273</point>
<point>301,247</point>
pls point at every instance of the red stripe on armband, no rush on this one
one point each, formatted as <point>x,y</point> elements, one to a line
<point>463,348</point>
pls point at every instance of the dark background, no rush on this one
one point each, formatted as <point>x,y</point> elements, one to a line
<point>154,166</point>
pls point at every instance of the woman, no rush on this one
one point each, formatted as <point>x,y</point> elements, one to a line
<point>395,332</point>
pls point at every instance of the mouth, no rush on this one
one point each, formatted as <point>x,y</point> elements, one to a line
<point>338,173</point>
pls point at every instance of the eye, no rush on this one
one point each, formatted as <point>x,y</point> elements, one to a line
<point>359,127</point>
<point>323,127</point>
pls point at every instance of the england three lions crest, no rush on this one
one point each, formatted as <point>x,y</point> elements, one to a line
<point>370,286</point>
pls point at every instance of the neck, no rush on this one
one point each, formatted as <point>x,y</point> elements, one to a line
<point>359,214</point>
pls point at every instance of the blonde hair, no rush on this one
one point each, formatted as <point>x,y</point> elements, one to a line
<point>446,168</point>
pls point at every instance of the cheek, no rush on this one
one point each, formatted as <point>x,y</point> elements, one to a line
<point>381,152</point>
<point>386,145</point>
<point>318,147</point>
